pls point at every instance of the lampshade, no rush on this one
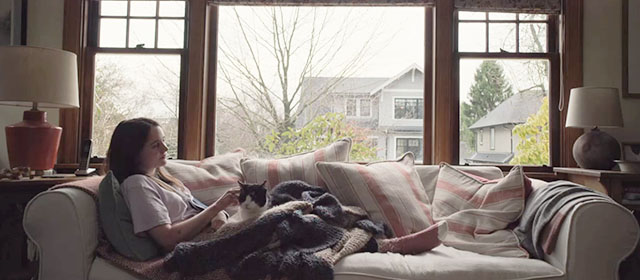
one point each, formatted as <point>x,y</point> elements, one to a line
<point>48,77</point>
<point>594,106</point>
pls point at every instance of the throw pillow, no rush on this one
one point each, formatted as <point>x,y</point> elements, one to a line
<point>478,211</point>
<point>390,191</point>
<point>297,167</point>
<point>115,219</point>
<point>211,177</point>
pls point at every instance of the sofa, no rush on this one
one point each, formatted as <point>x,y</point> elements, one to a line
<point>595,237</point>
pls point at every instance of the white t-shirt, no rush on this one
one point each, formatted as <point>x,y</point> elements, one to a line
<point>151,205</point>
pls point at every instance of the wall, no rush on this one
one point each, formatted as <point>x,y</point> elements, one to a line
<point>603,57</point>
<point>44,29</point>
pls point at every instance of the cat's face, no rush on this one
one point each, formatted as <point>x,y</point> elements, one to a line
<point>252,196</point>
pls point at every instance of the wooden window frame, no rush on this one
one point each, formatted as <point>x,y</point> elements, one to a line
<point>197,129</point>
<point>79,22</point>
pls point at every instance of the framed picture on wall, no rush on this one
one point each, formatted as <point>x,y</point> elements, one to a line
<point>631,48</point>
<point>13,22</point>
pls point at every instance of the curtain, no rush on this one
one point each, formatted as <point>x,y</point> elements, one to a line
<point>520,6</point>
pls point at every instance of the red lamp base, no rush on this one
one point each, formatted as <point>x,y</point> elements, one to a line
<point>33,142</point>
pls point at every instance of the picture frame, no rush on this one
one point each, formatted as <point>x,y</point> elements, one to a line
<point>630,88</point>
<point>630,151</point>
<point>13,22</point>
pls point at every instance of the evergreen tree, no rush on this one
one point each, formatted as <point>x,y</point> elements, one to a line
<point>489,90</point>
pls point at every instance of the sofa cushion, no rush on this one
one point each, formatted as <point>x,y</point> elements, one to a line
<point>297,167</point>
<point>442,263</point>
<point>429,175</point>
<point>478,211</point>
<point>115,219</point>
<point>210,178</point>
<point>390,191</point>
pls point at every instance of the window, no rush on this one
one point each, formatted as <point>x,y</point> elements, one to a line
<point>137,49</point>
<point>505,84</point>
<point>295,101</point>
<point>408,108</point>
<point>358,107</point>
<point>493,138</point>
<point>413,145</point>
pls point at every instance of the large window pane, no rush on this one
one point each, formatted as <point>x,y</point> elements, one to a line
<point>130,86</point>
<point>506,102</point>
<point>533,37</point>
<point>293,79</point>
<point>502,37</point>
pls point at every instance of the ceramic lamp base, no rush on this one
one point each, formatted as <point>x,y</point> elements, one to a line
<point>33,142</point>
<point>596,150</point>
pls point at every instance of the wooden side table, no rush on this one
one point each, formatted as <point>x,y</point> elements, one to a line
<point>611,183</point>
<point>14,196</point>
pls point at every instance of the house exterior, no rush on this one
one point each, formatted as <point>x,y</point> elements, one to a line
<point>392,109</point>
<point>495,141</point>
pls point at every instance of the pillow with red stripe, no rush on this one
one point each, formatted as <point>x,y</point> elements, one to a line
<point>390,191</point>
<point>210,178</point>
<point>478,211</point>
<point>296,167</point>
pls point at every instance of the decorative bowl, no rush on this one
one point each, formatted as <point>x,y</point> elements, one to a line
<point>629,166</point>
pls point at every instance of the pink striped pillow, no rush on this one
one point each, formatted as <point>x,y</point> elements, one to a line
<point>478,211</point>
<point>297,167</point>
<point>390,191</point>
<point>211,177</point>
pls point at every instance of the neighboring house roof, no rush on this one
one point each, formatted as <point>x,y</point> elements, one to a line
<point>346,85</point>
<point>412,67</point>
<point>515,110</point>
<point>491,157</point>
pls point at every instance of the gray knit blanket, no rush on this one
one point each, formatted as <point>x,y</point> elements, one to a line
<point>546,209</point>
<point>301,237</point>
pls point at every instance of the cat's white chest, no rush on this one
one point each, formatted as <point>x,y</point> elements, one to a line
<point>246,210</point>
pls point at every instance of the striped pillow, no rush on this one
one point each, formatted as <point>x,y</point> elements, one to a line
<point>478,211</point>
<point>297,167</point>
<point>390,191</point>
<point>209,179</point>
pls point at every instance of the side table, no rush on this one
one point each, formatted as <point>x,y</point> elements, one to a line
<point>609,182</point>
<point>14,196</point>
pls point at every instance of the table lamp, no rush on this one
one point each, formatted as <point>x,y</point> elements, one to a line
<point>593,107</point>
<point>36,77</point>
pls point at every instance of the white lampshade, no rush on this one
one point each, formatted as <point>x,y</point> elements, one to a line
<point>594,106</point>
<point>48,77</point>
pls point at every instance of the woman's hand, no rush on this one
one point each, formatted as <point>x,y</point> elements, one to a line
<point>229,198</point>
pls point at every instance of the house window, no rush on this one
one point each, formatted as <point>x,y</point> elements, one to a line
<point>138,55</point>
<point>413,145</point>
<point>358,107</point>
<point>493,138</point>
<point>351,110</point>
<point>408,108</point>
<point>505,63</point>
<point>481,136</point>
<point>273,79</point>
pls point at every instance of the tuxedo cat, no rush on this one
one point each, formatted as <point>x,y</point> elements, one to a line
<point>253,199</point>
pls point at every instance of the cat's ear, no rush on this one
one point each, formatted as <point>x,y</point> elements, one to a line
<point>242,185</point>
<point>264,183</point>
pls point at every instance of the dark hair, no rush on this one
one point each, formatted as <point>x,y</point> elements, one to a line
<point>127,141</point>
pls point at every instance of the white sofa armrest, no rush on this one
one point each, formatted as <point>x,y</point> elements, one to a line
<point>593,240</point>
<point>63,226</point>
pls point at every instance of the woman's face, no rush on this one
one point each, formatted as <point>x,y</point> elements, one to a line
<point>154,151</point>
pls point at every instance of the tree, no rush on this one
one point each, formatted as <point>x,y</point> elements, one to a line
<point>533,147</point>
<point>320,132</point>
<point>292,46</point>
<point>489,90</point>
<point>108,110</point>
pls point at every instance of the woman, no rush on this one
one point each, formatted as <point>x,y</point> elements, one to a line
<point>160,205</point>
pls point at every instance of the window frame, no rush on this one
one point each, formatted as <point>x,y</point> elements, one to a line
<point>552,56</point>
<point>438,108</point>
<point>393,109</point>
